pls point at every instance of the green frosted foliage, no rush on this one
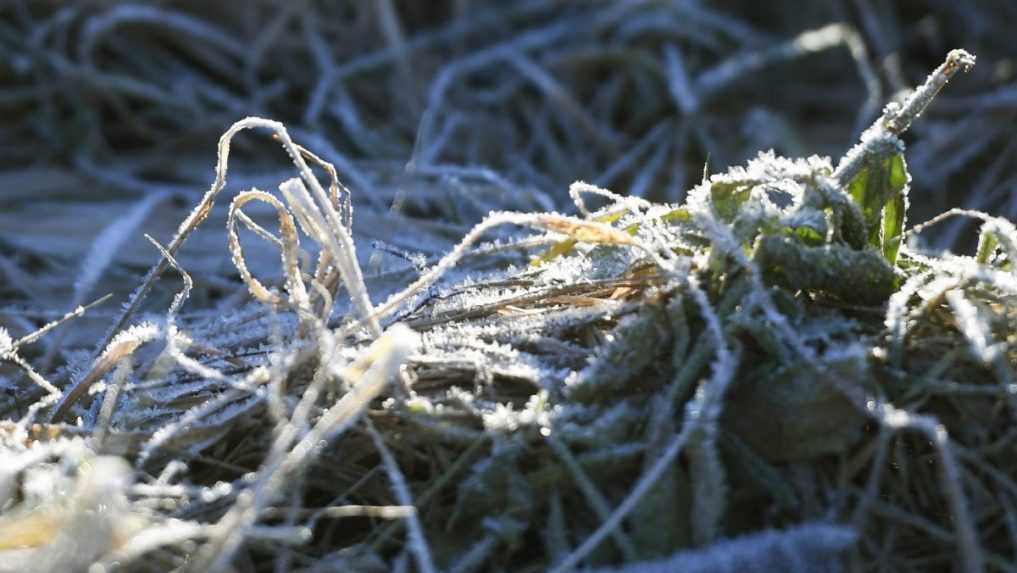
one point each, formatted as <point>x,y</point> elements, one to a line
<point>880,190</point>
<point>728,197</point>
<point>857,276</point>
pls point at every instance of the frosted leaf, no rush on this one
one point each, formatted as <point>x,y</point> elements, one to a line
<point>588,425</point>
<point>77,525</point>
<point>504,418</point>
<point>975,327</point>
<point>106,246</point>
<point>802,549</point>
<point>6,343</point>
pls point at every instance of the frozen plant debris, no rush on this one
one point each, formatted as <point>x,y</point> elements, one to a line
<point>754,374</point>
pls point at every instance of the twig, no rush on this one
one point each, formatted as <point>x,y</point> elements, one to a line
<point>896,119</point>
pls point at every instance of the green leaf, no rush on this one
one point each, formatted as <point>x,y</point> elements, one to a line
<point>809,236</point>
<point>880,190</point>
<point>679,215</point>
<point>895,211</point>
<point>553,252</point>
<point>987,243</point>
<point>727,198</point>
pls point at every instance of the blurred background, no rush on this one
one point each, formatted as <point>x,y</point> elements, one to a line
<point>435,113</point>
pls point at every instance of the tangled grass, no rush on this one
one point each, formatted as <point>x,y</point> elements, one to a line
<point>768,373</point>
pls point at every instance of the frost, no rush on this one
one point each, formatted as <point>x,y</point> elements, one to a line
<point>974,324</point>
<point>108,243</point>
<point>804,548</point>
<point>504,418</point>
<point>536,375</point>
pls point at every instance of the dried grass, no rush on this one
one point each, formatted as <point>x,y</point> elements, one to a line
<point>764,372</point>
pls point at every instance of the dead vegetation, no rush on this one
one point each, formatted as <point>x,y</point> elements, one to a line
<point>767,372</point>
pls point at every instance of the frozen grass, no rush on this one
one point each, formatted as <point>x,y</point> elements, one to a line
<point>766,372</point>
